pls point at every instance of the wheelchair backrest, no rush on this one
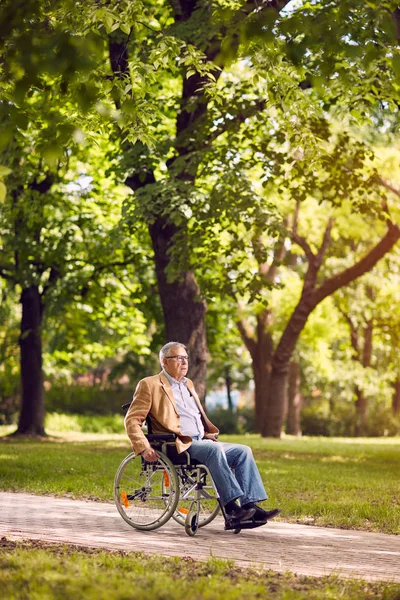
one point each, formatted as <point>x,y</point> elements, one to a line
<point>125,408</point>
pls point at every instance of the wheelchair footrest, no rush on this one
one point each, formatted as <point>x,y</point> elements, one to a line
<point>249,524</point>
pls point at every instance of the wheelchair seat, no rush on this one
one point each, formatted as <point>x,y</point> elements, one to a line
<point>163,440</point>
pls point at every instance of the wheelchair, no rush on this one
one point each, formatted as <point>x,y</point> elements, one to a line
<point>148,494</point>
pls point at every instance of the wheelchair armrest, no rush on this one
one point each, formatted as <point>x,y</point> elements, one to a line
<point>161,437</point>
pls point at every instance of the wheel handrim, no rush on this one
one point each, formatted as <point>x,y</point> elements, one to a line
<point>146,494</point>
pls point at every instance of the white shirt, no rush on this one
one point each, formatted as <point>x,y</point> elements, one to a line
<point>191,423</point>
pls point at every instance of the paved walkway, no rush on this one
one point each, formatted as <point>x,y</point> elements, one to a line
<point>279,546</point>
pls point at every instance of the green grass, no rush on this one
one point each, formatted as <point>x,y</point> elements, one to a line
<point>37,571</point>
<point>338,482</point>
<point>350,483</point>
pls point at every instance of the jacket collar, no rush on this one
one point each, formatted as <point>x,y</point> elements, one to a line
<point>168,390</point>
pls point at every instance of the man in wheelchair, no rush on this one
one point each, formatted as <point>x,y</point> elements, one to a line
<point>170,401</point>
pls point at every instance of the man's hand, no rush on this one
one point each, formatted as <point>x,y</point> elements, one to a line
<point>150,455</point>
<point>211,436</point>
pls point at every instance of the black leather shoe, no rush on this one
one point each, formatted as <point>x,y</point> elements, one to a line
<point>244,523</point>
<point>241,514</point>
<point>265,515</point>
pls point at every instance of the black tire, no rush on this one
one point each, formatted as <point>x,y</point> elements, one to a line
<point>192,523</point>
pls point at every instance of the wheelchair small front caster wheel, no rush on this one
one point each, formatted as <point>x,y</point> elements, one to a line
<point>236,531</point>
<point>192,523</point>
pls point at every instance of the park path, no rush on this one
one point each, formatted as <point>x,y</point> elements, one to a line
<point>300,549</point>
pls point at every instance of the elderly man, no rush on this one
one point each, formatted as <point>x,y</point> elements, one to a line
<point>173,406</point>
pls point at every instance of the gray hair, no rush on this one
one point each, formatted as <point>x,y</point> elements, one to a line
<point>165,350</point>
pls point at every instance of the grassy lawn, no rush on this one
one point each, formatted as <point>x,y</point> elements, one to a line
<point>350,483</point>
<point>38,571</point>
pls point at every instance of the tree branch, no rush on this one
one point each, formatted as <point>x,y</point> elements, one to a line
<point>54,276</point>
<point>296,217</point>
<point>279,255</point>
<point>364,265</point>
<point>304,245</point>
<point>252,7</point>
<point>239,118</point>
<point>249,342</point>
<point>5,275</point>
<point>325,241</point>
<point>353,331</point>
<point>388,186</point>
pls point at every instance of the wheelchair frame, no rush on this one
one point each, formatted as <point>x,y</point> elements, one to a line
<point>164,485</point>
<point>172,480</point>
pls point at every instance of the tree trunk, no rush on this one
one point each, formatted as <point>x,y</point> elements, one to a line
<point>361,399</point>
<point>277,401</point>
<point>276,405</point>
<point>31,420</point>
<point>261,350</point>
<point>361,412</point>
<point>183,308</point>
<point>294,400</point>
<point>396,397</point>
<point>261,374</point>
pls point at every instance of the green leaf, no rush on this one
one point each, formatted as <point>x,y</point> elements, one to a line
<point>4,171</point>
<point>125,28</point>
<point>3,191</point>
<point>108,22</point>
<point>52,154</point>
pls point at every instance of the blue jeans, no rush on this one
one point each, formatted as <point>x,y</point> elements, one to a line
<point>221,458</point>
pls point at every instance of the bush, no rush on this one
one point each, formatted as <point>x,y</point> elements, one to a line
<point>239,421</point>
<point>85,423</point>
<point>9,395</point>
<point>81,400</point>
<point>71,400</point>
<point>315,420</point>
<point>382,422</point>
<point>9,407</point>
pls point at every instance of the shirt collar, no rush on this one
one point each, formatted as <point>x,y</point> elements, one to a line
<point>172,380</point>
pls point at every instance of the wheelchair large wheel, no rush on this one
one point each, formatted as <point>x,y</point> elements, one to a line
<point>209,505</point>
<point>146,494</point>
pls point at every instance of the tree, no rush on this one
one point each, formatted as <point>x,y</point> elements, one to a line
<point>343,179</point>
<point>312,294</point>
<point>59,241</point>
<point>166,189</point>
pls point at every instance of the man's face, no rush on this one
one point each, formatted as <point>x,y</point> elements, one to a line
<point>175,367</point>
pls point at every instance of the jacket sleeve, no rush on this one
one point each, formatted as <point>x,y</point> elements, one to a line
<point>136,415</point>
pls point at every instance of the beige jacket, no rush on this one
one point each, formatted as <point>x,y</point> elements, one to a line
<point>154,397</point>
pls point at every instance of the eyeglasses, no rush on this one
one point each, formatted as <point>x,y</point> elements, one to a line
<point>180,359</point>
